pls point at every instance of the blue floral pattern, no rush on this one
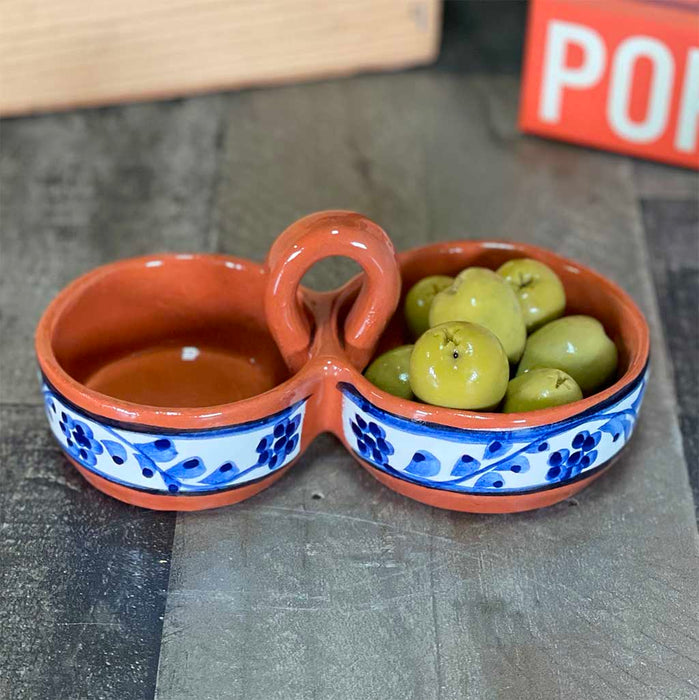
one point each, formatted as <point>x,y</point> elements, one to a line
<point>371,440</point>
<point>191,462</point>
<point>281,442</point>
<point>80,441</point>
<point>490,461</point>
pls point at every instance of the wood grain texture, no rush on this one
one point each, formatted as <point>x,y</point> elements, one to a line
<point>672,231</point>
<point>657,181</point>
<point>83,577</point>
<point>329,585</point>
<point>60,54</point>
<point>80,190</point>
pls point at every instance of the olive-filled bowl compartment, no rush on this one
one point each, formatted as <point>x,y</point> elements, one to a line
<point>488,461</point>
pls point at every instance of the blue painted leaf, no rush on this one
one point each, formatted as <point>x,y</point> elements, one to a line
<point>573,470</point>
<point>496,448</point>
<point>378,457</point>
<point>537,446</point>
<point>148,468</point>
<point>491,480</point>
<point>160,450</point>
<point>82,429</point>
<point>173,485</point>
<point>84,456</point>
<point>291,445</point>
<point>376,430</point>
<point>554,473</point>
<point>637,402</point>
<point>224,474</point>
<point>574,458</point>
<point>385,446</point>
<point>579,439</point>
<point>588,459</point>
<point>591,441</point>
<point>423,463</point>
<point>116,451</point>
<point>144,461</point>
<point>620,425</point>
<point>465,466</point>
<point>557,458</point>
<point>188,468</point>
<point>517,465</point>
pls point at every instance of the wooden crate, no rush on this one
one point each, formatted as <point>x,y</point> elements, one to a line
<point>68,53</point>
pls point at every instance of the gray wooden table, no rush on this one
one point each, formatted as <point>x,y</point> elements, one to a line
<point>329,585</point>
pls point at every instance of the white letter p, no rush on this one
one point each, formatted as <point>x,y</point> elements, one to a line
<point>557,76</point>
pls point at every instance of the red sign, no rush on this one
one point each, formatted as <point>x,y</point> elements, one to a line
<point>622,75</point>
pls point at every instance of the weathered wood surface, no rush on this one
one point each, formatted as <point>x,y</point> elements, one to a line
<point>328,585</point>
<point>672,231</point>
<point>362,593</point>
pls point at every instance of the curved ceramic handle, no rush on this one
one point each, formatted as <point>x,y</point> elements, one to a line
<point>306,242</point>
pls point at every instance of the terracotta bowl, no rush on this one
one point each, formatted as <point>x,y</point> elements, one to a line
<point>184,382</point>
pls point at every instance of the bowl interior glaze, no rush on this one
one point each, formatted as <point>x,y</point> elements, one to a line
<point>171,330</point>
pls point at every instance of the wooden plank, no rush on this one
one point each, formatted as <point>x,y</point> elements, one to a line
<point>654,180</point>
<point>329,585</point>
<point>59,54</point>
<point>79,190</point>
<point>84,577</point>
<point>672,232</point>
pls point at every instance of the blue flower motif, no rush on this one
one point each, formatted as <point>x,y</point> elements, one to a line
<point>80,440</point>
<point>371,440</point>
<point>565,464</point>
<point>274,448</point>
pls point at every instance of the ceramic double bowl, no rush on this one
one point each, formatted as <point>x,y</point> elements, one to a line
<point>184,382</point>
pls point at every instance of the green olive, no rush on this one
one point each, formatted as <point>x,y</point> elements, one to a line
<point>419,299</point>
<point>540,292</point>
<point>389,372</point>
<point>459,365</point>
<point>540,388</point>
<point>480,296</point>
<point>577,345</point>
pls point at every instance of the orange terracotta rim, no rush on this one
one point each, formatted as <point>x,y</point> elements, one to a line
<point>182,501</point>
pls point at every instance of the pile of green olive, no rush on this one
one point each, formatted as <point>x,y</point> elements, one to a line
<point>479,328</point>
